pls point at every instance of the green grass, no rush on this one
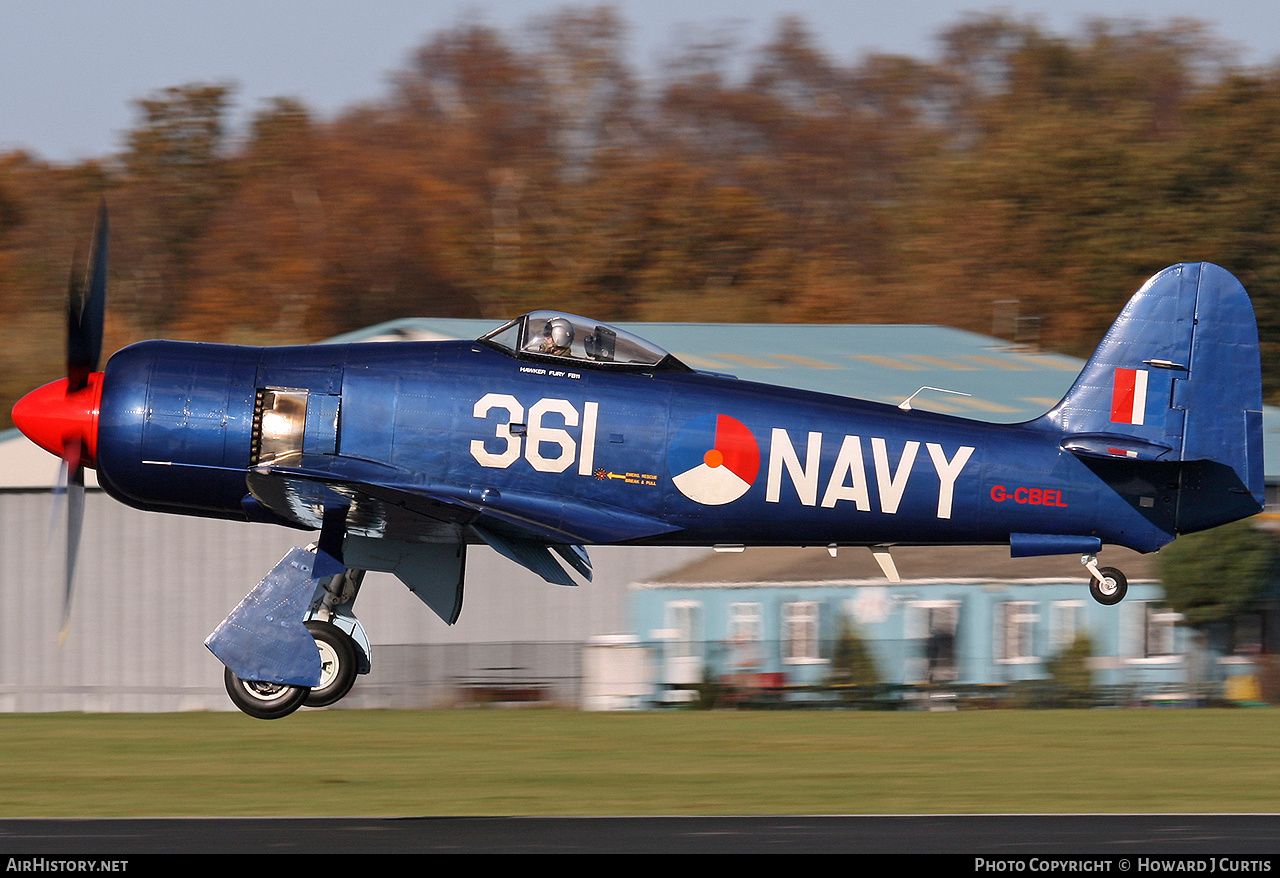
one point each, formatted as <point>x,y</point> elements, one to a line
<point>551,762</point>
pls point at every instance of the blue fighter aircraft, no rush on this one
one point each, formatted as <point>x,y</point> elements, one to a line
<point>554,432</point>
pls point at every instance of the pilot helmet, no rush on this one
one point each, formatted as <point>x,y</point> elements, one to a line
<point>559,332</point>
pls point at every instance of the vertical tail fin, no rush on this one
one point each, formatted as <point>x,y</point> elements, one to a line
<point>1178,379</point>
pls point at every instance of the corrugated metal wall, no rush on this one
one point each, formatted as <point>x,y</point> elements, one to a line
<point>150,588</point>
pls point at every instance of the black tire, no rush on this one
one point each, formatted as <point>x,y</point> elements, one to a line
<point>264,700</point>
<point>338,663</point>
<point>1112,589</point>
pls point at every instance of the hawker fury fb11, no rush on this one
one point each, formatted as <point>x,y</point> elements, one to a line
<point>555,432</point>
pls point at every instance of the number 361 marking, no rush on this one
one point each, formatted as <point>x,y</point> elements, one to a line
<point>548,447</point>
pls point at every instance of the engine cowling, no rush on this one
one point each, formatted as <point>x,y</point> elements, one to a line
<point>174,426</point>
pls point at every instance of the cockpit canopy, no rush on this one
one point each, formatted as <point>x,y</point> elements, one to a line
<point>570,337</point>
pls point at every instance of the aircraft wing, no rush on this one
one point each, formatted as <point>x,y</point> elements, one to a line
<point>390,503</point>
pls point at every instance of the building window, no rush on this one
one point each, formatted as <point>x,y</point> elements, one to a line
<point>1066,623</point>
<point>745,628</point>
<point>800,632</point>
<point>1159,626</point>
<point>1017,621</point>
<point>684,650</point>
<point>684,621</point>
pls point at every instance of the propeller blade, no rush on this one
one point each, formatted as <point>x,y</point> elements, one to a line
<point>75,520</point>
<point>59,493</point>
<point>86,310</point>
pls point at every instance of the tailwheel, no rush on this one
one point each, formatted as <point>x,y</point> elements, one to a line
<point>1107,584</point>
<point>1109,587</point>
<point>338,664</point>
<point>264,700</point>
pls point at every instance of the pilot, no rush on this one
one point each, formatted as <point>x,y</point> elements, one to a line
<point>557,336</point>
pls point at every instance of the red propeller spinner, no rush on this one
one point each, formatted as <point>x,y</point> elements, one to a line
<point>62,422</point>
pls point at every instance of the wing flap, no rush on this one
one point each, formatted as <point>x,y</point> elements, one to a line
<point>531,554</point>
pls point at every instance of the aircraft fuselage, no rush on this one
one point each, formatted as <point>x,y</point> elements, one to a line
<point>717,459</point>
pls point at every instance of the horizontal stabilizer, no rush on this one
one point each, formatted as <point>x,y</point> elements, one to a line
<point>1115,445</point>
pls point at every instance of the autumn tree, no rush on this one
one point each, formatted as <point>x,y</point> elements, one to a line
<point>177,173</point>
<point>1225,193</point>
<point>262,255</point>
<point>1055,185</point>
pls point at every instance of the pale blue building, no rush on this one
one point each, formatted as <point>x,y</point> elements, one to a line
<point>963,620</point>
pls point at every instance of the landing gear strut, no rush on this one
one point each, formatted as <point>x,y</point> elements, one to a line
<point>1107,584</point>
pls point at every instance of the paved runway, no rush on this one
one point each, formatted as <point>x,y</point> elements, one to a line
<point>991,836</point>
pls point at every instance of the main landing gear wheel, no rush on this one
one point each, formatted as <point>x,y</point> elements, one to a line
<point>264,700</point>
<point>1110,588</point>
<point>337,663</point>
